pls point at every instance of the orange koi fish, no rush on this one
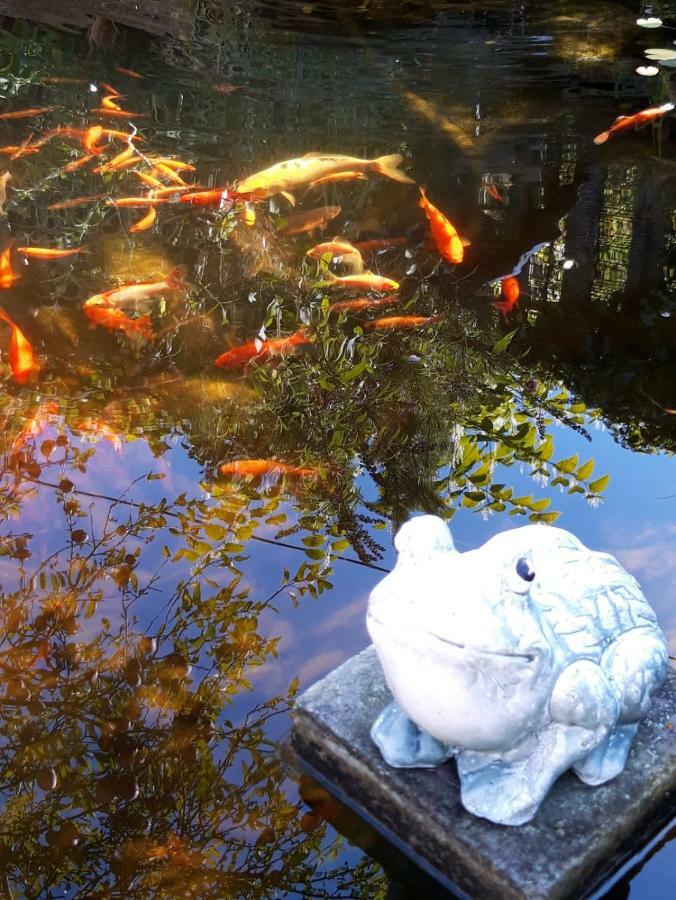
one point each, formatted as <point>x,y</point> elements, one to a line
<point>37,424</point>
<point>447,240</point>
<point>493,192</point>
<point>227,88</point>
<point>510,295</point>
<point>368,248</point>
<point>144,223</point>
<point>24,149</point>
<point>76,201</point>
<point>168,172</point>
<point>79,162</point>
<point>256,468</point>
<point>135,202</point>
<point>402,321</point>
<point>261,350</point>
<point>366,281</point>
<point>7,275</point>
<point>27,113</point>
<point>12,149</point>
<point>112,92</point>
<point>338,176</point>
<point>130,72</point>
<point>335,248</point>
<point>311,219</point>
<point>176,164</point>
<point>213,197</point>
<point>362,303</point>
<point>117,113</point>
<point>100,313</point>
<point>149,180</point>
<point>123,160</point>
<point>110,101</point>
<point>122,135</point>
<point>621,123</point>
<point>46,253</point>
<point>59,79</point>
<point>21,357</point>
<point>101,429</point>
<point>91,138</point>
<point>129,294</point>
<point>172,189</point>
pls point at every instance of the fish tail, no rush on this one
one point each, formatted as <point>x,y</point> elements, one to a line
<point>176,278</point>
<point>389,166</point>
<point>602,138</point>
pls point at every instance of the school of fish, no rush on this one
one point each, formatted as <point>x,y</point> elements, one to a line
<point>161,183</point>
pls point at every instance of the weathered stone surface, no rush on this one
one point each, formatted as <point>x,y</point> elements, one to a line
<point>577,839</point>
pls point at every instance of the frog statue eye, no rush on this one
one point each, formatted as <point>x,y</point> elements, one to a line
<point>524,569</point>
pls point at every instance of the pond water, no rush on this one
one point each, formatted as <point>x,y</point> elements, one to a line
<point>159,614</point>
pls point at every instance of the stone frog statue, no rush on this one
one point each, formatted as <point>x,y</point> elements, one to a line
<point>523,658</point>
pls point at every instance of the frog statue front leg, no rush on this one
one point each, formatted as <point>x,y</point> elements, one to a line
<point>403,744</point>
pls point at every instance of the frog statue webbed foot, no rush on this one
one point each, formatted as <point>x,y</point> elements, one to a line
<point>405,746</point>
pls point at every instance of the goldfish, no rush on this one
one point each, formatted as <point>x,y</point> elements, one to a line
<point>130,72</point>
<point>101,429</point>
<point>176,164</point>
<point>133,202</point>
<point>362,303</point>
<point>36,424</point>
<point>163,169</point>
<point>12,149</point>
<point>27,113</point>
<point>21,358</point>
<point>100,313</point>
<point>311,219</point>
<point>7,276</point>
<point>76,201</point>
<point>448,242</point>
<point>261,350</point>
<point>335,247</point>
<point>113,92</point>
<point>110,101</point>
<point>293,173</point>
<point>510,295</point>
<point>129,294</point>
<point>24,148</point>
<point>4,178</point>
<point>129,154</point>
<point>117,113</point>
<point>121,135</point>
<point>368,248</point>
<point>148,180</point>
<point>144,223</point>
<point>172,189</point>
<point>47,253</point>
<point>59,79</point>
<point>79,162</point>
<point>91,138</point>
<point>621,123</point>
<point>256,468</point>
<point>367,281</point>
<point>213,197</point>
<point>402,322</point>
<point>227,88</point>
<point>493,192</point>
<point>339,176</point>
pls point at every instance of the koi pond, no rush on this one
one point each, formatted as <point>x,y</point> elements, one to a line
<point>185,545</point>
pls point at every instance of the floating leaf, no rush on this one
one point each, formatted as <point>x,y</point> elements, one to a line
<point>600,484</point>
<point>585,470</point>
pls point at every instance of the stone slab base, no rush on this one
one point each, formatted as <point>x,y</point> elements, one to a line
<point>579,837</point>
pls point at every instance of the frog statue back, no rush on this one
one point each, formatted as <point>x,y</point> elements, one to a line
<point>523,658</point>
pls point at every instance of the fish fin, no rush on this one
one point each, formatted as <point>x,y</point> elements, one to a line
<point>313,154</point>
<point>176,278</point>
<point>389,166</point>
<point>465,242</point>
<point>602,138</point>
<point>289,197</point>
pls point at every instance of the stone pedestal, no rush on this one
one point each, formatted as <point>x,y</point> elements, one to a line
<point>579,837</point>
